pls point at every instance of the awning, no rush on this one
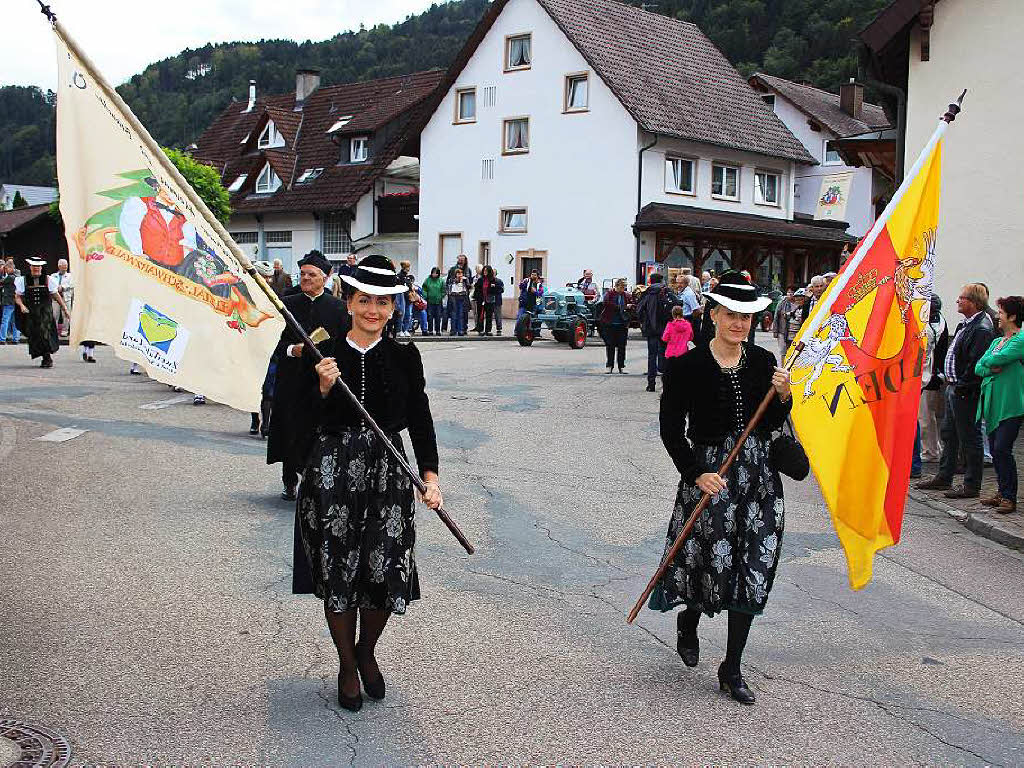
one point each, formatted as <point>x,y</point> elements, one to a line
<point>704,224</point>
<point>875,149</point>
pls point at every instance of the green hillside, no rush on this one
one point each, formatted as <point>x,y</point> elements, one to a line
<point>813,40</point>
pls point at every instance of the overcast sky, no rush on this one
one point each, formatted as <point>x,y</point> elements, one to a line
<point>123,36</point>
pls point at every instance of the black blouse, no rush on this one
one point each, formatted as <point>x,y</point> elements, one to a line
<point>388,380</point>
<point>715,402</point>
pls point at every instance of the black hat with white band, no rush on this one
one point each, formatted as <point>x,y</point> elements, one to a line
<point>735,292</point>
<point>376,275</point>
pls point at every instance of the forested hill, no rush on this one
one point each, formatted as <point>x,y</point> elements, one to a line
<point>813,40</point>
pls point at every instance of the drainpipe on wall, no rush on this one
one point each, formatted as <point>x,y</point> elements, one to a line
<point>639,198</point>
<point>901,112</point>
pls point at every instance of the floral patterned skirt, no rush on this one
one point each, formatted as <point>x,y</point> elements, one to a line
<point>729,560</point>
<point>356,520</point>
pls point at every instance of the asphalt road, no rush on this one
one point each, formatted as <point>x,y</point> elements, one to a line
<point>146,613</point>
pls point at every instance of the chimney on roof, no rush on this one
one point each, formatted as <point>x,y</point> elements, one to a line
<point>851,98</point>
<point>252,96</point>
<point>306,81</point>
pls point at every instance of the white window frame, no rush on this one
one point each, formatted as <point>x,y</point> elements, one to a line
<point>758,198</point>
<point>513,230</point>
<point>725,167</point>
<point>310,174</point>
<point>567,108</point>
<point>459,94</point>
<point>824,154</point>
<point>670,186</point>
<point>340,123</point>
<point>238,182</point>
<point>364,155</point>
<point>505,149</point>
<point>507,54</point>
<point>268,180</point>
<point>270,137</point>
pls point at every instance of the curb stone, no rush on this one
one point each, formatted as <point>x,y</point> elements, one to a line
<point>980,523</point>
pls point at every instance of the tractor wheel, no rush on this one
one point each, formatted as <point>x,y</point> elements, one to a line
<point>524,331</point>
<point>578,334</point>
<point>560,336</point>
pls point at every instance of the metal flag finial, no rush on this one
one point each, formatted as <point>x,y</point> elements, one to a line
<point>45,10</point>
<point>954,109</point>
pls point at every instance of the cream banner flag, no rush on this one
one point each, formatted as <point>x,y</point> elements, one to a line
<point>833,197</point>
<point>155,274</point>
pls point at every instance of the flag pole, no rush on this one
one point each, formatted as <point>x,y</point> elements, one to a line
<point>168,167</point>
<point>824,304</point>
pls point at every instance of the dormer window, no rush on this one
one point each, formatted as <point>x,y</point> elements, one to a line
<point>237,183</point>
<point>270,137</point>
<point>310,174</point>
<point>268,181</point>
<point>518,52</point>
<point>359,149</point>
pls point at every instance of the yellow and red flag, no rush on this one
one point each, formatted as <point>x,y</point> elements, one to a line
<point>857,381</point>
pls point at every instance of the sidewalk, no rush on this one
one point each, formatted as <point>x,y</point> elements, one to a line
<point>1005,529</point>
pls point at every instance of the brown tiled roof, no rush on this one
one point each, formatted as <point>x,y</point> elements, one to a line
<point>668,75</point>
<point>394,102</point>
<point>823,106</point>
<point>655,216</point>
<point>19,217</point>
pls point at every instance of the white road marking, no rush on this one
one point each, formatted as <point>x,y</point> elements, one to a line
<point>63,434</point>
<point>160,404</point>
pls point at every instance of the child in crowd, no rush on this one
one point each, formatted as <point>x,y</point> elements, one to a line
<point>678,334</point>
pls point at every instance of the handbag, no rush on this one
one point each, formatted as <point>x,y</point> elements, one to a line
<point>786,455</point>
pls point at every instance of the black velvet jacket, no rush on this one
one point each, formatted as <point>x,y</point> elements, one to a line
<point>389,382</point>
<point>697,390</point>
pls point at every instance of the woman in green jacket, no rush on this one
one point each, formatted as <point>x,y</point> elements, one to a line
<point>433,292</point>
<point>1002,399</point>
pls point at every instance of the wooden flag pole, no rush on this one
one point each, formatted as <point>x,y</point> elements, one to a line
<point>706,498</point>
<point>197,202</point>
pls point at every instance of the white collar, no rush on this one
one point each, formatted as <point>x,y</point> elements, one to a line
<point>314,298</point>
<point>362,350</point>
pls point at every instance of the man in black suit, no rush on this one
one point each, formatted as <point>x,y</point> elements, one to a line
<point>960,428</point>
<point>291,421</point>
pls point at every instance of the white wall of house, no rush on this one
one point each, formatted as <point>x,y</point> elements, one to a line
<point>300,227</point>
<point>578,181</point>
<point>860,212</point>
<point>655,184</point>
<point>980,224</point>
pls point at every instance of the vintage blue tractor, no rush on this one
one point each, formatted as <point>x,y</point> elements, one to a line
<point>566,312</point>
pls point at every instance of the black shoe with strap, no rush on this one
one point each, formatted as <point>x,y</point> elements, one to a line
<point>687,642</point>
<point>351,703</point>
<point>735,686</point>
<point>375,689</point>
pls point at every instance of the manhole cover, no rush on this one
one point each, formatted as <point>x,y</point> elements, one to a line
<point>37,746</point>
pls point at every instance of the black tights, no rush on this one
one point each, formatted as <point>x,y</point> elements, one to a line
<point>739,629</point>
<point>343,633</point>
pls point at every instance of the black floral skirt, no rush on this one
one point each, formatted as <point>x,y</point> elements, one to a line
<point>355,515</point>
<point>41,330</point>
<point>729,560</point>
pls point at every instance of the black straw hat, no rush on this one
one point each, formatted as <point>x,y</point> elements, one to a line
<point>376,275</point>
<point>735,292</point>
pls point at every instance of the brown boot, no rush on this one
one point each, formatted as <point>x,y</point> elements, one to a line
<point>1006,506</point>
<point>992,501</point>
<point>935,484</point>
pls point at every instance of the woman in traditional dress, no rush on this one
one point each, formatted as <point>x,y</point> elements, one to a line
<point>729,561</point>
<point>355,506</point>
<point>34,296</point>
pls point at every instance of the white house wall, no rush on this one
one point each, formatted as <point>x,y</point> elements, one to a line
<point>860,213</point>
<point>303,229</point>
<point>974,46</point>
<point>578,181</point>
